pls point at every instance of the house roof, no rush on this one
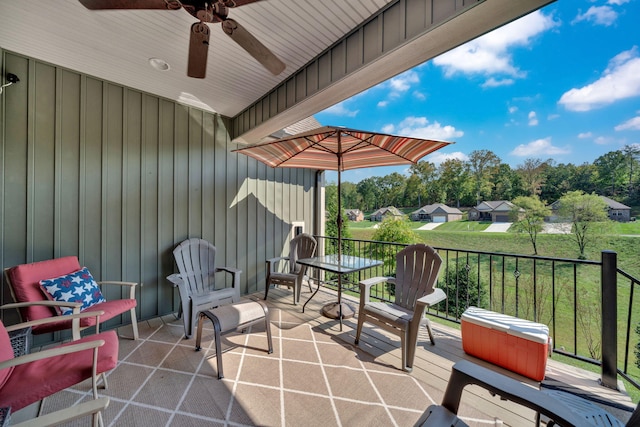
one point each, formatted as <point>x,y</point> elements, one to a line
<point>495,205</point>
<point>437,207</point>
<point>390,210</point>
<point>613,204</point>
<point>315,43</point>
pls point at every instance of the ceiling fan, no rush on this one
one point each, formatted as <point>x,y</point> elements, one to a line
<point>206,12</point>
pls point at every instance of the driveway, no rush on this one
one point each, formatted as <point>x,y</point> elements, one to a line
<point>430,225</point>
<point>498,227</point>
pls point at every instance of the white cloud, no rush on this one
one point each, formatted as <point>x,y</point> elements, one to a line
<point>388,128</point>
<point>617,2</point>
<point>539,147</point>
<point>402,82</point>
<point>620,80</point>
<point>420,127</point>
<point>604,140</point>
<point>439,157</point>
<point>383,103</point>
<point>489,54</point>
<point>553,116</point>
<point>533,118</point>
<point>340,109</point>
<point>585,135</point>
<point>599,15</point>
<point>513,110</point>
<point>493,82</point>
<point>631,124</point>
<point>419,95</point>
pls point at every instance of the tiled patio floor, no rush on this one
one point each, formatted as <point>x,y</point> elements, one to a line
<point>315,376</point>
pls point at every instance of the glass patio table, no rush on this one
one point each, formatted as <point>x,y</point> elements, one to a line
<point>348,264</point>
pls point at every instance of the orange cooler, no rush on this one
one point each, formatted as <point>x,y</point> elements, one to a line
<point>515,344</point>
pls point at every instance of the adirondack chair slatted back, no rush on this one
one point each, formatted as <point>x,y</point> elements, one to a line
<point>196,259</point>
<point>417,268</point>
<point>301,246</point>
<point>196,262</point>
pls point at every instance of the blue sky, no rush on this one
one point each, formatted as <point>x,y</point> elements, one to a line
<point>561,83</point>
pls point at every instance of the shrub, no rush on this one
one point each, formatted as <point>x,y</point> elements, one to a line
<point>463,290</point>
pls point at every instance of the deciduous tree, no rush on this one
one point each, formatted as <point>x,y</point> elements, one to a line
<point>611,171</point>
<point>454,179</point>
<point>584,211</point>
<point>531,221</point>
<point>483,165</point>
<point>532,175</point>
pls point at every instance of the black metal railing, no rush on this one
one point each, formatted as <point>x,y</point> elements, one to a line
<point>565,294</point>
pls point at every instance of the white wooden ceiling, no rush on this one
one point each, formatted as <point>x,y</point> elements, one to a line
<point>117,45</point>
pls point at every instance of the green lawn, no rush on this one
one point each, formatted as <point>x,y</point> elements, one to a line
<point>626,228</point>
<point>463,226</point>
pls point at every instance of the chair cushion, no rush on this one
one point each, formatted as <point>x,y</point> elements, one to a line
<point>26,384</point>
<point>78,286</point>
<point>25,281</point>
<point>111,309</point>
<point>6,353</point>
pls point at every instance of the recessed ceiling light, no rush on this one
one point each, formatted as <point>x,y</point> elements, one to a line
<point>159,64</point>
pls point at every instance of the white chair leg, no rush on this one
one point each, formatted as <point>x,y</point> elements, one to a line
<point>134,324</point>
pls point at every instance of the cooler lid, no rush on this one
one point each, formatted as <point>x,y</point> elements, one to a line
<point>515,326</point>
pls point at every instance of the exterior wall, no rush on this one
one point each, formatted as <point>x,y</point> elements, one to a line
<point>119,177</point>
<point>622,215</point>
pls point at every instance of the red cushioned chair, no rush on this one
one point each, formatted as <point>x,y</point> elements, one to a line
<point>32,377</point>
<point>24,283</point>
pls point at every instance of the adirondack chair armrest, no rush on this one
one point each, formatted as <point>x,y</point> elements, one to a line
<point>433,298</point>
<point>131,285</point>
<point>427,301</point>
<point>176,279</point>
<point>235,274</point>
<point>272,263</point>
<point>367,284</point>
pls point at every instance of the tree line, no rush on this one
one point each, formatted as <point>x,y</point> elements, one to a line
<point>484,176</point>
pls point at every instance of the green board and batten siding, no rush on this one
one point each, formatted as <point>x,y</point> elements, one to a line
<point>119,177</point>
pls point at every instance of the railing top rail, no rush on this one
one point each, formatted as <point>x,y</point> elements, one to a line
<point>535,257</point>
<point>628,276</point>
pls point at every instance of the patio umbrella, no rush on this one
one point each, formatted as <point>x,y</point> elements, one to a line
<point>340,149</point>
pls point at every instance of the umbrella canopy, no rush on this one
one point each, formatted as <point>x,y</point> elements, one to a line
<point>339,148</point>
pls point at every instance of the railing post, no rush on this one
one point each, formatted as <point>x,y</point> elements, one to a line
<point>609,320</point>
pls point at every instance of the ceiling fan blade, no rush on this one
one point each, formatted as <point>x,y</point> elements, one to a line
<point>253,46</point>
<point>198,50</point>
<point>131,4</point>
<point>237,3</point>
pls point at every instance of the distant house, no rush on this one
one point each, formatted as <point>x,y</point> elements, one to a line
<point>355,215</point>
<point>383,213</point>
<point>494,211</point>
<point>437,212</point>
<point>615,210</point>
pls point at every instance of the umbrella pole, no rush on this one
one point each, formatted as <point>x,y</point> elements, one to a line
<point>335,310</point>
<point>339,224</point>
